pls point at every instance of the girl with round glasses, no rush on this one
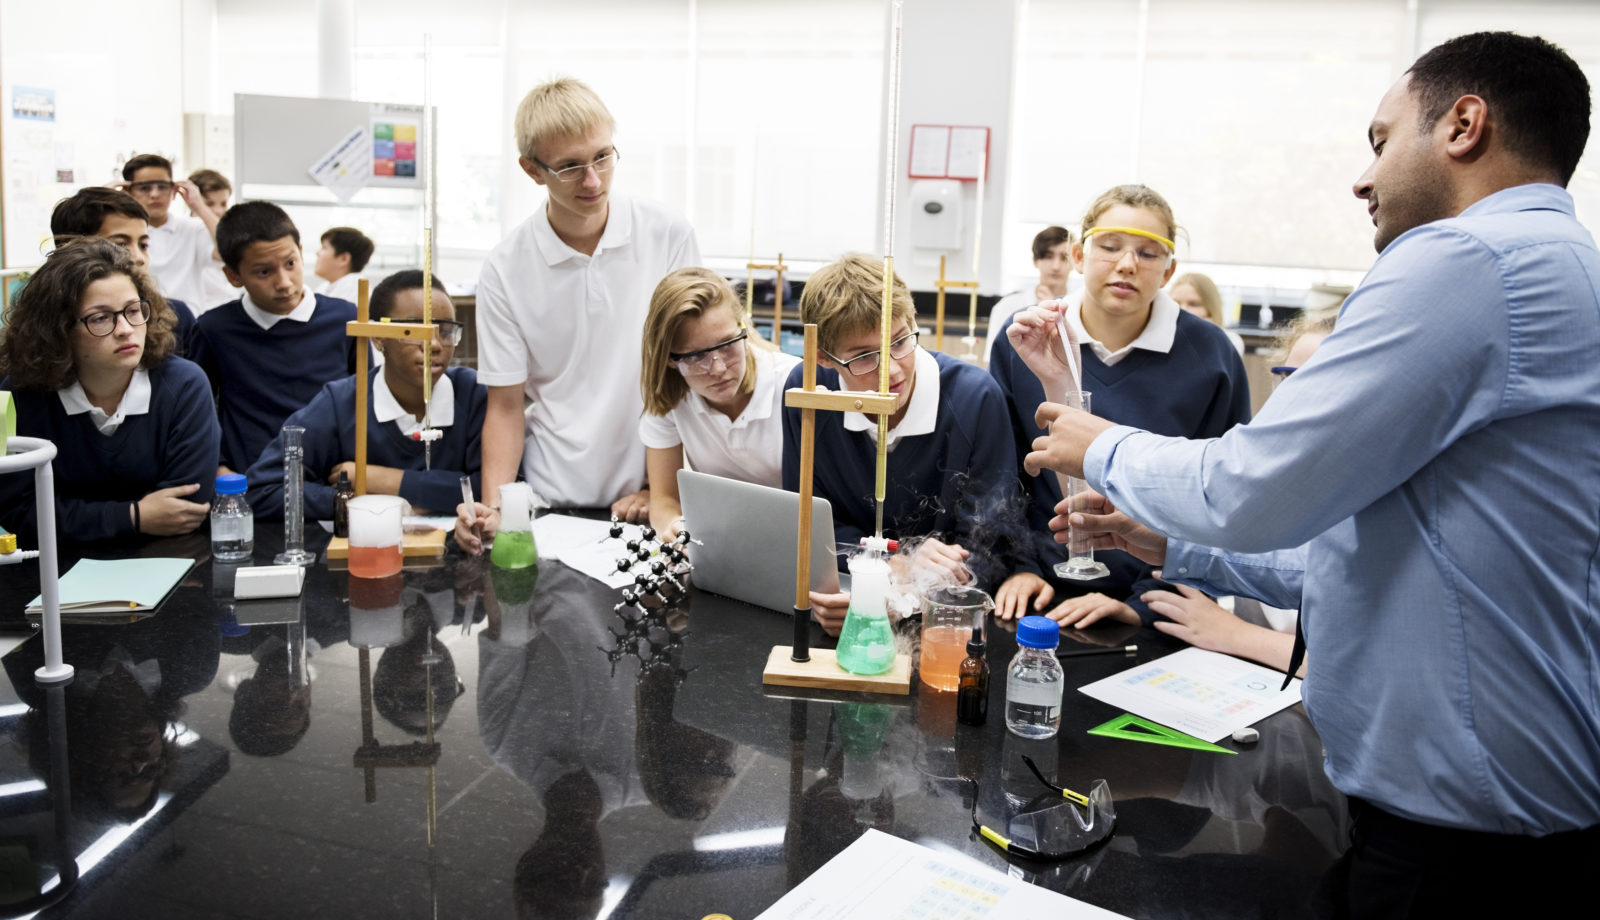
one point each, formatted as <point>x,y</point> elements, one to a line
<point>88,354</point>
<point>712,395</point>
<point>1145,363</point>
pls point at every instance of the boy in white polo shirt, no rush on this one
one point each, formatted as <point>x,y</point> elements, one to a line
<point>561,302</point>
<point>182,251</point>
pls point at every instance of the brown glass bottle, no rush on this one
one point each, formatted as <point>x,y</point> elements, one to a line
<point>343,491</point>
<point>972,689</point>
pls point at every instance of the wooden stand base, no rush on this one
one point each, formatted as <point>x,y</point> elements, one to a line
<point>411,544</point>
<point>823,672</point>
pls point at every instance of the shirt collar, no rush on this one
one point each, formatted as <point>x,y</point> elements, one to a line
<point>1534,195</point>
<point>135,401</point>
<point>266,320</point>
<point>619,230</point>
<point>922,412</point>
<point>441,406</point>
<point>1159,332</point>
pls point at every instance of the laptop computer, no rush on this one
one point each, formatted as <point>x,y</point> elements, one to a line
<point>749,538</point>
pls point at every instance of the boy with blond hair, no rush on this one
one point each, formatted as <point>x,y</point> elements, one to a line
<point>951,462</point>
<point>561,302</point>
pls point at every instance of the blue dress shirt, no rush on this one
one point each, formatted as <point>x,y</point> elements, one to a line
<point>1439,457</point>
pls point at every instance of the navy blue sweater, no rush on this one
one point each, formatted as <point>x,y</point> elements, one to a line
<point>330,440</point>
<point>262,375</point>
<point>957,484</point>
<point>97,476</point>
<point>1196,390</point>
<point>185,328</point>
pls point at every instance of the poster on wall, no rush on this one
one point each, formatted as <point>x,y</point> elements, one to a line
<point>33,104</point>
<point>346,167</point>
<point>396,144</point>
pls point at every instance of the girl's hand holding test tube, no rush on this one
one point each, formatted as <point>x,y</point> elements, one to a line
<point>1037,334</point>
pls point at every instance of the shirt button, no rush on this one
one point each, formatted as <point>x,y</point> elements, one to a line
<point>1183,570</point>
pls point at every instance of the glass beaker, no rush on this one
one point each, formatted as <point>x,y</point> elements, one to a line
<point>513,542</point>
<point>866,644</point>
<point>949,614</point>
<point>376,531</point>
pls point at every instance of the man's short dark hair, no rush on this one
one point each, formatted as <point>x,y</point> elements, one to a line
<point>1049,238</point>
<point>83,213</point>
<point>143,160</point>
<point>352,242</point>
<point>251,222</point>
<point>1538,95</point>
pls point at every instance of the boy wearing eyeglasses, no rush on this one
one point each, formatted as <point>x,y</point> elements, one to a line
<point>182,250</point>
<point>396,461</point>
<point>269,352</point>
<point>951,464</point>
<point>561,302</point>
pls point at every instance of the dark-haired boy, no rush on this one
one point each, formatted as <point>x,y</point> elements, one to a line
<point>119,217</point>
<point>269,352</point>
<point>344,254</point>
<point>182,251</point>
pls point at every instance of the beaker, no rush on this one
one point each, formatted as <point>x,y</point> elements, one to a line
<point>949,614</point>
<point>513,542</point>
<point>866,644</point>
<point>376,534</point>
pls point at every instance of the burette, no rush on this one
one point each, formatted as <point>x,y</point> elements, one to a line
<point>890,174</point>
<point>428,434</point>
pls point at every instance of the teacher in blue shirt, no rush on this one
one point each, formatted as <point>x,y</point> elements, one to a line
<point>1425,490</point>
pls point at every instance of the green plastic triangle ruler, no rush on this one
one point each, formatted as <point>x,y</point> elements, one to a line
<point>1130,727</point>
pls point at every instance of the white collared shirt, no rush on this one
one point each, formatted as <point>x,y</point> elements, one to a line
<point>441,406</point>
<point>180,255</point>
<point>346,287</point>
<point>135,401</point>
<point>567,328</point>
<point>266,320</point>
<point>748,448</point>
<point>1158,334</point>
<point>922,412</point>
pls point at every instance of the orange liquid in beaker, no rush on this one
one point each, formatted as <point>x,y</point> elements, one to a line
<point>380,561</point>
<point>943,648</point>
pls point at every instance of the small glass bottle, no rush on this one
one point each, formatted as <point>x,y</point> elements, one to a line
<point>1034,680</point>
<point>972,690</point>
<point>343,491</point>
<point>233,525</point>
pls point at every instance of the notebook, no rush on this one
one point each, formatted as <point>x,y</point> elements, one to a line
<point>749,536</point>
<point>126,587</point>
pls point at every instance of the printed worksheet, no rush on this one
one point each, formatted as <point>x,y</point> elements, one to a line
<point>1204,694</point>
<point>883,876</point>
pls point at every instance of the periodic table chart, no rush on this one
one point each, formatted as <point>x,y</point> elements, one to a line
<point>1201,693</point>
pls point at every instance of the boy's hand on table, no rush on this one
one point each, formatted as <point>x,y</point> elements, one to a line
<point>381,480</point>
<point>1196,619</point>
<point>1088,609</point>
<point>633,509</point>
<point>1092,516</point>
<point>1013,599</point>
<point>165,513</point>
<point>475,524</point>
<point>830,610</point>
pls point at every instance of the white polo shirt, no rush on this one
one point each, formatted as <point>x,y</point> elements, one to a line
<point>135,401</point>
<point>180,257</point>
<point>567,327</point>
<point>347,287</point>
<point>922,409</point>
<point>1158,334</point>
<point>748,448</point>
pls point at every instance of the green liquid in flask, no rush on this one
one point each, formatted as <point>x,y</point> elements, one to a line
<point>866,645</point>
<point>514,550</point>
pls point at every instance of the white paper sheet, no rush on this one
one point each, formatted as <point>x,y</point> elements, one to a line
<point>883,876</point>
<point>585,545</point>
<point>1204,694</point>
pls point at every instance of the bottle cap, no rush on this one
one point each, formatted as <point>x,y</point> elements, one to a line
<point>344,480</point>
<point>975,644</point>
<point>1038,632</point>
<point>230,484</point>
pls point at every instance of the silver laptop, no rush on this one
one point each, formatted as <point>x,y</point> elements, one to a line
<point>749,536</point>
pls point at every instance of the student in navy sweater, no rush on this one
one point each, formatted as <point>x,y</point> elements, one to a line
<point>269,352</point>
<point>117,216</point>
<point>1144,362</point>
<point>951,467</point>
<point>87,354</point>
<point>394,412</point>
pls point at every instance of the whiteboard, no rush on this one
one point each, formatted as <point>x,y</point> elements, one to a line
<point>277,139</point>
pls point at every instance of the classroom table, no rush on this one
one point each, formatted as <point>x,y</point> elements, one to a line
<point>235,759</point>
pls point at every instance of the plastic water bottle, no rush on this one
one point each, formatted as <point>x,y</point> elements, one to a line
<point>1034,680</point>
<point>233,524</point>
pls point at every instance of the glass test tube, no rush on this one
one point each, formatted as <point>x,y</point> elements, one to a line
<point>294,512</point>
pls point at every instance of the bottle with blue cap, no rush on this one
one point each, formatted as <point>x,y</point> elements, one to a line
<point>1034,680</point>
<point>233,524</point>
